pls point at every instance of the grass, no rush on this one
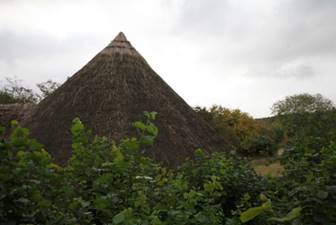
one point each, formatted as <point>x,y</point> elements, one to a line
<point>274,169</point>
<point>267,166</point>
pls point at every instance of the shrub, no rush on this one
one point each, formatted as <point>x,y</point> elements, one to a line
<point>246,135</point>
<point>111,182</point>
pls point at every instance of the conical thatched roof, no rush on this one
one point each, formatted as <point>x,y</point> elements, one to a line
<point>112,91</point>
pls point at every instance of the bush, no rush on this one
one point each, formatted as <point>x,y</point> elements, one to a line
<point>111,182</point>
<point>310,182</point>
<point>246,135</point>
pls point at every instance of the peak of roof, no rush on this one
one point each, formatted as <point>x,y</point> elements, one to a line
<point>120,45</point>
<point>120,41</point>
<point>120,37</point>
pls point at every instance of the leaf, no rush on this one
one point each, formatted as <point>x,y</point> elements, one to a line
<point>153,130</point>
<point>122,216</point>
<point>322,194</point>
<point>103,181</point>
<point>139,125</point>
<point>118,157</point>
<point>251,213</point>
<point>150,115</point>
<point>130,144</point>
<point>293,214</point>
<point>263,198</point>
<point>77,126</point>
<point>14,123</point>
<point>147,140</point>
<point>82,202</point>
<point>101,203</point>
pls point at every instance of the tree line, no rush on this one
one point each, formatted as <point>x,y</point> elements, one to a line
<point>13,91</point>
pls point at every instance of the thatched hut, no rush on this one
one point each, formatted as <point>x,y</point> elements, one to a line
<point>108,94</point>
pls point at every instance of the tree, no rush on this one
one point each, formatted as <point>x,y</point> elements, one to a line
<point>14,92</point>
<point>302,103</point>
<point>6,98</point>
<point>307,119</point>
<point>245,134</point>
<point>47,87</point>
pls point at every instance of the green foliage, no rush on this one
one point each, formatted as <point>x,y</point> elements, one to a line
<point>111,182</point>
<point>310,181</point>
<point>251,213</point>
<point>30,184</point>
<point>313,130</point>
<point>266,209</point>
<point>292,215</point>
<point>148,131</point>
<point>245,134</point>
<point>307,119</point>
<point>302,103</point>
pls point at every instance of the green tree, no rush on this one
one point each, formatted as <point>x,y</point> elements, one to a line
<point>245,134</point>
<point>307,119</point>
<point>302,103</point>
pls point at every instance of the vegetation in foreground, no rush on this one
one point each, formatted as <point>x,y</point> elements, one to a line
<point>110,182</point>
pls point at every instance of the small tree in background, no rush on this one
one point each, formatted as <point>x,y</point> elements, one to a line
<point>245,134</point>
<point>302,103</point>
<point>14,92</point>
<point>307,119</point>
<point>6,98</point>
<point>47,87</point>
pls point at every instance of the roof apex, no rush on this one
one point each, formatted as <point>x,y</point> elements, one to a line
<point>120,41</point>
<point>120,37</point>
<point>120,45</point>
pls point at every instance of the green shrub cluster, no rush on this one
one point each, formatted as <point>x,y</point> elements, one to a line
<point>247,136</point>
<point>111,182</point>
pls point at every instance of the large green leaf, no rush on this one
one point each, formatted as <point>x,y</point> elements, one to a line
<point>293,214</point>
<point>251,213</point>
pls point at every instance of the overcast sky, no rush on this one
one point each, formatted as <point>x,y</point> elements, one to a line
<point>243,54</point>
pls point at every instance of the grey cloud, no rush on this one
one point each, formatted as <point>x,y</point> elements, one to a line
<point>304,70</point>
<point>16,45</point>
<point>271,33</point>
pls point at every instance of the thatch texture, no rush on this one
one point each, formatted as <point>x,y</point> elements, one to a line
<point>110,93</point>
<point>15,111</point>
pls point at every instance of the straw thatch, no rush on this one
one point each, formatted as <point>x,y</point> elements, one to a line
<point>15,111</point>
<point>110,93</point>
